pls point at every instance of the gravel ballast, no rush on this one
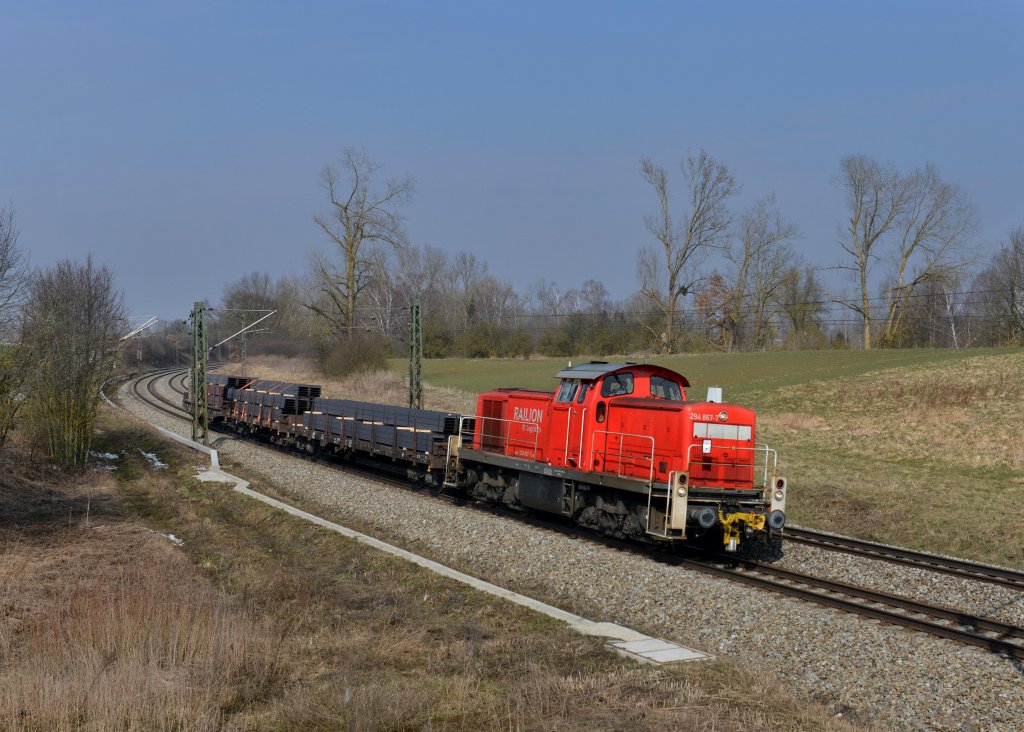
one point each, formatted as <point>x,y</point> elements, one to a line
<point>873,673</point>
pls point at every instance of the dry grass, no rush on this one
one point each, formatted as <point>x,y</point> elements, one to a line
<point>929,456</point>
<point>969,413</point>
<point>262,621</point>
<point>107,626</point>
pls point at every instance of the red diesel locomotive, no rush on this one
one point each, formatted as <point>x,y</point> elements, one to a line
<point>616,448</point>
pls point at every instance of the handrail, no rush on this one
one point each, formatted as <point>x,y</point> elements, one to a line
<point>568,424</point>
<point>669,498</point>
<point>583,424</point>
<point>593,450</point>
<point>769,453</point>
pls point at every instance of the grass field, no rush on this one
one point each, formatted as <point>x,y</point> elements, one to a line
<point>141,599</point>
<point>740,374</point>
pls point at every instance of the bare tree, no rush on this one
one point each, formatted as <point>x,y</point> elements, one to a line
<point>13,272</point>
<point>801,297</point>
<point>14,362</point>
<point>381,294</point>
<point>875,195</point>
<point>73,322</point>
<point>759,256</point>
<point>711,304</point>
<point>291,317</point>
<point>931,227</point>
<point>668,271</point>
<point>423,274</point>
<point>957,325</point>
<point>254,291</point>
<point>469,274</point>
<point>250,297</point>
<point>596,300</point>
<point>359,216</point>
<point>546,298</point>
<point>1002,283</point>
<point>926,220</point>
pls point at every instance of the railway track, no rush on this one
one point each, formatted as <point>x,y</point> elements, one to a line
<point>935,620</point>
<point>155,399</point>
<point>962,627</point>
<point>180,378</point>
<point>1011,578</point>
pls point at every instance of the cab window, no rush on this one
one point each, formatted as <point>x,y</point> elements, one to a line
<point>583,392</point>
<point>567,391</point>
<point>617,385</point>
<point>662,388</point>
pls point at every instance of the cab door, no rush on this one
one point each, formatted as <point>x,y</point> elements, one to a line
<point>567,434</point>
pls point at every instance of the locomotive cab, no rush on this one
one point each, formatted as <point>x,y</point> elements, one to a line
<point>635,420</point>
<point>592,409</point>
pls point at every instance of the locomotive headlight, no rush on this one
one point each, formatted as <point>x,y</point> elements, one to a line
<point>681,491</point>
<point>779,495</point>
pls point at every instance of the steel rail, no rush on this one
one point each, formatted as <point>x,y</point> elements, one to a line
<point>1006,630</point>
<point>1011,578</point>
<point>967,637</point>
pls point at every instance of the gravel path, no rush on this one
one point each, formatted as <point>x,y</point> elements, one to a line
<point>872,673</point>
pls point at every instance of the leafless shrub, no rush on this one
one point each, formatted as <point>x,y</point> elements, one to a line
<point>358,353</point>
<point>72,325</point>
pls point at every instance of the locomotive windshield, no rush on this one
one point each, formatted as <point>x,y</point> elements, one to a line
<point>662,388</point>
<point>567,390</point>
<point>617,385</point>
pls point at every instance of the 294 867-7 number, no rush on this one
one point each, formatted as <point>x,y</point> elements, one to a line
<point>703,417</point>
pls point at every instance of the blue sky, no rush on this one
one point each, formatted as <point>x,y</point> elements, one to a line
<point>181,143</point>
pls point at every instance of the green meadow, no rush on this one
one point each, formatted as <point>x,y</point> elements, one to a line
<point>740,374</point>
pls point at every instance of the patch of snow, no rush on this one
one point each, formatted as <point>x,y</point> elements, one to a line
<point>151,456</point>
<point>104,455</point>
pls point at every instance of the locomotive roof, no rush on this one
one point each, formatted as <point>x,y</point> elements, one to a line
<point>597,369</point>
<point>592,370</point>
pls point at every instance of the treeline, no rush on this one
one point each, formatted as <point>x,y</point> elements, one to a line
<point>468,312</point>
<point>711,277</point>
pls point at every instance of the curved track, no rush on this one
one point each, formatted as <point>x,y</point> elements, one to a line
<point>156,400</point>
<point>943,622</point>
